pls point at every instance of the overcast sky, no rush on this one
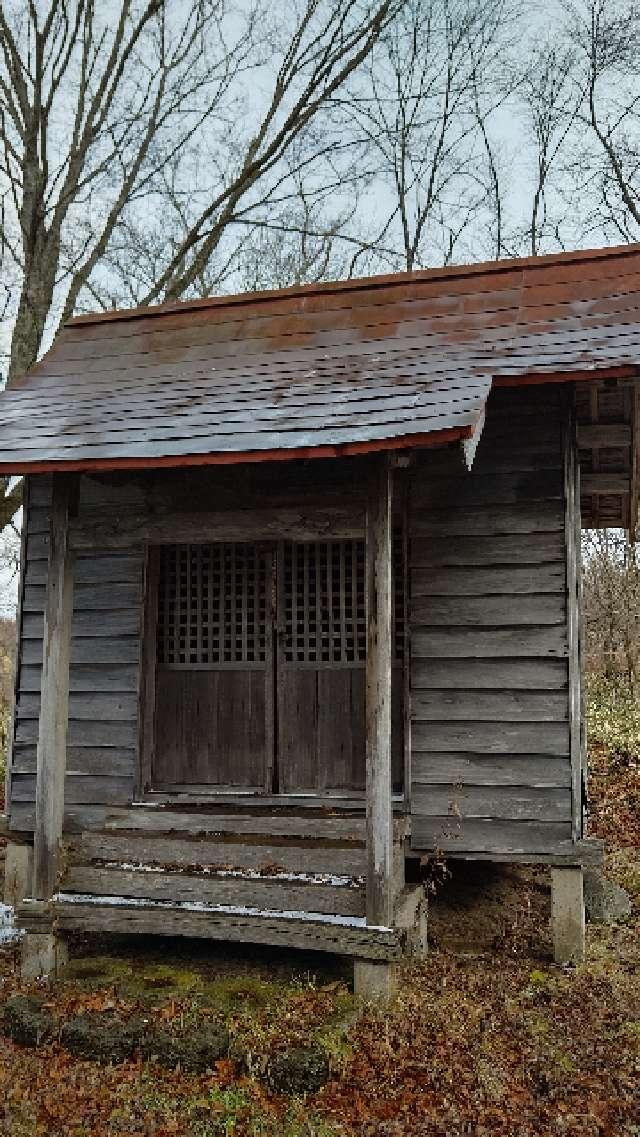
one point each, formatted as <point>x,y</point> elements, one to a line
<point>508,126</point>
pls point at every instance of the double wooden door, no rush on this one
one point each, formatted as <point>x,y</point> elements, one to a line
<point>259,674</point>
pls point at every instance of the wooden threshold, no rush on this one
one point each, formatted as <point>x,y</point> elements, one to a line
<point>254,800</point>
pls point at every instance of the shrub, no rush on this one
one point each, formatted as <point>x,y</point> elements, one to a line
<point>613,716</point>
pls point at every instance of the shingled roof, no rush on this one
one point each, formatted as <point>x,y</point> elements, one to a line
<point>326,369</point>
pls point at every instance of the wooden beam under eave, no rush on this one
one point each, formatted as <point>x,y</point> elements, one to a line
<point>54,706</point>
<point>379,821</point>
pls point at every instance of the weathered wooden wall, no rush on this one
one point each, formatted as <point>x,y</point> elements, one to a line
<point>103,700</point>
<point>490,750</point>
<point>117,514</point>
<point>490,754</point>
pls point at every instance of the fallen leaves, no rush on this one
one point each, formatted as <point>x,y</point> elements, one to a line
<point>496,1044</point>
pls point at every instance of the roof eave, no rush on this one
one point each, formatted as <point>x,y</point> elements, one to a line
<point>237,457</point>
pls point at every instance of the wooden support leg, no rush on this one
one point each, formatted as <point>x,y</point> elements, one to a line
<point>42,954</point>
<point>567,914</point>
<point>419,943</point>
<point>411,917</point>
<point>18,867</point>
<point>374,979</point>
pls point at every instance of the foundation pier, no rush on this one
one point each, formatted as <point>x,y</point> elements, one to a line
<point>567,914</point>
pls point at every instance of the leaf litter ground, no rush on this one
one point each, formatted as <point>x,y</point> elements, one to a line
<point>487,1037</point>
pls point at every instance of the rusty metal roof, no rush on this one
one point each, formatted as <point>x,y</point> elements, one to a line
<point>349,367</point>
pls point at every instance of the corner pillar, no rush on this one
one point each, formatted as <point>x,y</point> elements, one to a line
<point>41,950</point>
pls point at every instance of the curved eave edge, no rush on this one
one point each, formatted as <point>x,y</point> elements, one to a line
<point>236,457</point>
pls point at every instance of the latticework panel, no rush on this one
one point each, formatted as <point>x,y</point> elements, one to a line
<point>324,600</point>
<point>212,605</point>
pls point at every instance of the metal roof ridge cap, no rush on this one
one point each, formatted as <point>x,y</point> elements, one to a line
<point>383,280</point>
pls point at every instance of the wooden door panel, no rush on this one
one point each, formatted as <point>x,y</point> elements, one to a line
<point>341,728</point>
<point>322,730</point>
<point>210,728</point>
<point>297,756</point>
<point>321,733</point>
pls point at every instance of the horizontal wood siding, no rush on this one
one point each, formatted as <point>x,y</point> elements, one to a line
<point>121,510</point>
<point>103,700</point>
<point>490,736</point>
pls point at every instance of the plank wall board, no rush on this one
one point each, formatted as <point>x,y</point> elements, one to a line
<point>103,681</point>
<point>462,581</point>
<point>507,549</point>
<point>490,730</point>
<point>494,611</point>
<point>93,650</point>
<point>118,761</point>
<point>509,803</point>
<point>490,737</point>
<point>493,770</point>
<point>461,642</point>
<point>87,679</point>
<point>79,789</point>
<point>513,674</point>
<point>466,836</point>
<point>505,706</point>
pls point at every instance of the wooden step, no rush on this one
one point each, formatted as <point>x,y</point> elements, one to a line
<point>343,935</point>
<point>258,852</point>
<point>299,891</point>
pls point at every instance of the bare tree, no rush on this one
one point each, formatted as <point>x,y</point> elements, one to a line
<point>98,103</point>
<point>435,76</point>
<point>605,167</point>
<point>551,95</point>
<point>612,604</point>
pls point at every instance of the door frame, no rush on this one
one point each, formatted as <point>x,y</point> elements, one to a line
<point>210,794</point>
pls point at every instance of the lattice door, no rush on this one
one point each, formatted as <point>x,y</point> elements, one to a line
<point>236,710</point>
<point>214,705</point>
<point>321,674</point>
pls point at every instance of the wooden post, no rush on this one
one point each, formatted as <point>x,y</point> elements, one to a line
<point>572,546</point>
<point>567,914</point>
<point>54,713</point>
<point>376,979</point>
<point>18,873</point>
